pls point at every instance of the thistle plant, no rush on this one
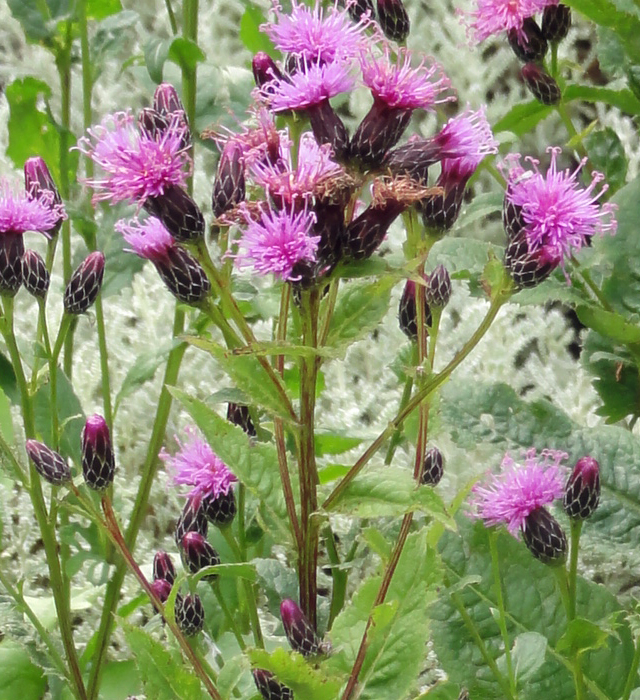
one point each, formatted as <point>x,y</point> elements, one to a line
<point>335,202</point>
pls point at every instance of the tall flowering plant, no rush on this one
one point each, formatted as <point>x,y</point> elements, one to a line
<point>278,556</point>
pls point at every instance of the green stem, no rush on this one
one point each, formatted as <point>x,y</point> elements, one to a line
<point>149,471</point>
<point>230,621</point>
<point>502,620</point>
<point>632,678</point>
<point>189,75</point>
<point>172,17</point>
<point>338,574</point>
<point>430,386</point>
<point>576,529</point>
<point>396,438</point>
<point>563,587</point>
<point>554,60</point>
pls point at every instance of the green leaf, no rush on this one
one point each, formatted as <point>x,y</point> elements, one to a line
<point>442,691</point>
<point>186,53</point>
<point>612,325</point>
<point>606,154</point>
<point>527,655</point>
<point>119,677</point>
<point>395,652</point>
<point>99,9</point>
<point>250,34</point>
<point>256,466</point>
<point>360,308</point>
<point>611,55</point>
<point>294,671</point>
<point>624,99</point>
<point>19,678</point>
<point>533,605</point>
<point>34,22</point>
<point>156,52</point>
<point>334,443</point>
<point>480,206</point>
<point>241,570</point>
<point>521,119</point>
<point>582,635</point>
<point>6,421</point>
<point>249,376</point>
<point>32,131</point>
<point>163,675</point>
<point>465,258</point>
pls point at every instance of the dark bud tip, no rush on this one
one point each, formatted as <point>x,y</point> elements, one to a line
<point>534,47</point>
<point>166,100</point>
<point>393,19</point>
<point>407,313</point>
<point>556,22</point>
<point>220,510</point>
<point>541,85</point>
<point>189,613</point>
<point>179,213</point>
<point>438,288</point>
<point>269,687</point>
<point>49,464</point>
<point>433,467</point>
<point>300,634</point>
<point>264,69</point>
<point>98,462</point>
<point>84,285</point>
<point>239,415</point>
<point>11,253</point>
<point>229,186</point>
<point>35,276</point>
<point>582,491</point>
<point>183,276</point>
<point>163,567</point>
<point>192,519</point>
<point>197,554</point>
<point>544,537</point>
<point>162,588</point>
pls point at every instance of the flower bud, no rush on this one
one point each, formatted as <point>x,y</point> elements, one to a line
<point>438,287</point>
<point>269,687</point>
<point>152,122</point>
<point>98,462</point>
<point>35,276</point>
<point>393,19</point>
<point>166,100</point>
<point>229,185</point>
<point>84,285</point>
<point>544,537</point>
<point>189,613</point>
<point>239,415</point>
<point>197,554</point>
<point>407,315</point>
<point>534,47</point>
<point>433,467</point>
<point>49,464</point>
<point>358,8</point>
<point>300,634</point>
<point>179,213</point>
<point>541,85</point>
<point>556,21</point>
<point>380,130</point>
<point>441,211</point>
<point>11,252</point>
<point>264,69</point>
<point>163,567</point>
<point>37,179</point>
<point>162,588</point>
<point>328,128</point>
<point>582,491</point>
<point>414,158</point>
<point>183,275</point>
<point>220,510</point>
<point>527,269</point>
<point>192,519</point>
<point>512,219</point>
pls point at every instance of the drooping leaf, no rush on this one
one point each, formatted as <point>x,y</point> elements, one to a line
<point>521,119</point>
<point>623,99</point>
<point>612,325</point>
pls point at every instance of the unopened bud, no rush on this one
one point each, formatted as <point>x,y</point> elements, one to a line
<point>35,276</point>
<point>166,100</point>
<point>152,122</point>
<point>414,158</point>
<point>512,218</point>
<point>239,415</point>
<point>544,537</point>
<point>541,85</point>
<point>269,687</point>
<point>192,519</point>
<point>328,128</point>
<point>300,634</point>
<point>197,554</point>
<point>220,510</point>
<point>438,287</point>
<point>433,467</point>
<point>393,19</point>
<point>527,268</point>
<point>49,464</point>
<point>380,130</point>
<point>84,285</point>
<point>180,215</point>
<point>162,588</point>
<point>530,47</point>
<point>189,613</point>
<point>163,567</point>
<point>11,252</point>
<point>582,491</point>
<point>556,21</point>
<point>98,462</point>
<point>407,310</point>
<point>183,275</point>
<point>229,185</point>
<point>37,179</point>
<point>264,69</point>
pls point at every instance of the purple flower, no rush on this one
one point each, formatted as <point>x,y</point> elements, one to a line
<point>559,214</point>
<point>278,241</point>
<point>22,211</point>
<point>520,489</point>
<point>311,85</point>
<point>496,16</point>
<point>397,84</point>
<point>315,34</point>
<point>467,139</point>
<point>195,464</point>
<point>136,164</point>
<point>149,239</point>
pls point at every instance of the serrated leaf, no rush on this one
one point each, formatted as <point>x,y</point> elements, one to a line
<point>256,466</point>
<point>521,119</point>
<point>527,655</point>
<point>298,674</point>
<point>622,99</point>
<point>582,635</point>
<point>163,676</point>
<point>359,310</point>
<point>19,678</point>
<point>481,205</point>
<point>610,324</point>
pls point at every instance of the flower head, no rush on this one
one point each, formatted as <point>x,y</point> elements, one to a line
<point>277,241</point>
<point>195,464</point>
<point>149,239</point>
<point>466,139</point>
<point>312,84</point>
<point>559,214</point>
<point>520,489</point>
<point>399,85</point>
<point>136,164</point>
<point>22,211</point>
<point>315,34</point>
<point>496,16</point>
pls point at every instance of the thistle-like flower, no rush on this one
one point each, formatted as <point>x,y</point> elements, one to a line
<point>264,69</point>
<point>544,537</point>
<point>189,613</point>
<point>300,634</point>
<point>182,274</point>
<point>556,21</point>
<point>49,464</point>
<point>534,48</point>
<point>277,241</point>
<point>98,461</point>
<point>497,16</point>
<point>38,180</point>
<point>229,185</point>
<point>582,490</point>
<point>35,276</point>
<point>192,518</point>
<point>84,285</point>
